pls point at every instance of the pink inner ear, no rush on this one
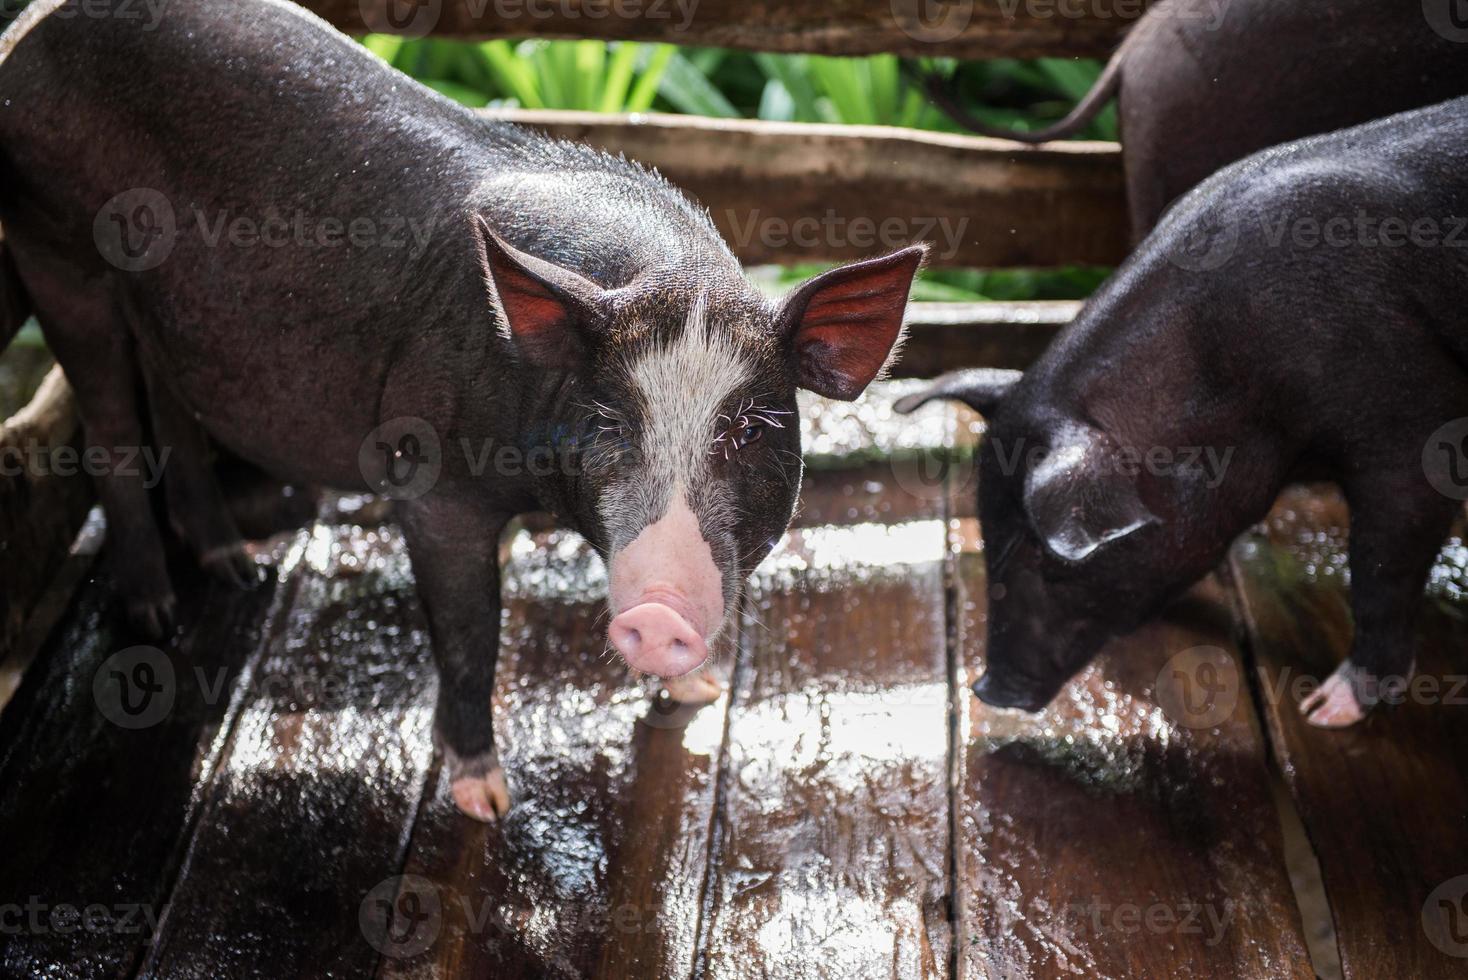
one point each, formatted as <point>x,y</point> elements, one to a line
<point>531,308</point>
<point>850,323</point>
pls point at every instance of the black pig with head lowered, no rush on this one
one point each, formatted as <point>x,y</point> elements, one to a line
<point>539,289</point>
<point>1321,332</point>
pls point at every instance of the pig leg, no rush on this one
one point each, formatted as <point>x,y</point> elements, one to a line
<point>196,507</point>
<point>454,549</point>
<point>95,350</point>
<point>1397,528</point>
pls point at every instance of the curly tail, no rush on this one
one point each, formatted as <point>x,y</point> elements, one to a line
<point>940,90</point>
<point>15,305</point>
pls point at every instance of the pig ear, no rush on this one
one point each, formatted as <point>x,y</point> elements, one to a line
<point>844,324</point>
<point>549,312</point>
<point>981,389</point>
<point>1079,498</point>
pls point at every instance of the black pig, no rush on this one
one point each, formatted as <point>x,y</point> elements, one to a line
<point>1321,333</point>
<point>1202,83</point>
<point>412,289</point>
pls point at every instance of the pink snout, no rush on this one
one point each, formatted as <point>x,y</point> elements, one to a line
<point>656,639</point>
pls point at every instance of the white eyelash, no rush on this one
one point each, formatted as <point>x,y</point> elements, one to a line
<point>742,418</point>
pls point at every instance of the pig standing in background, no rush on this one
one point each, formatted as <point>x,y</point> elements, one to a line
<point>1202,83</point>
<point>1323,331</point>
<point>517,289</point>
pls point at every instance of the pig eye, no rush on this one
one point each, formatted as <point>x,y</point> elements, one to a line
<point>744,427</point>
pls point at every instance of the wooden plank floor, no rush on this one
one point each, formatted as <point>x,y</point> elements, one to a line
<point>846,810</point>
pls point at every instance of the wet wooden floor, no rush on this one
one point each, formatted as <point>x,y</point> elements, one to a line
<point>260,798</point>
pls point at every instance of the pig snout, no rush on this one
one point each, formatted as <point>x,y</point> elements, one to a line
<point>667,596</point>
<point>1007,691</point>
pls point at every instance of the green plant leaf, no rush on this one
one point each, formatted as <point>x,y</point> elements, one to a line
<point>690,91</point>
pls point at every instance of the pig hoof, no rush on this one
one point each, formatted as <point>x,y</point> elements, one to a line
<point>152,617</point>
<point>697,688</point>
<point>231,565</point>
<point>478,786</point>
<point>1333,704</point>
<point>485,798</point>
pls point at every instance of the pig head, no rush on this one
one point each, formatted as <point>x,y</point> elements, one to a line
<point>1082,542</point>
<point>690,472</point>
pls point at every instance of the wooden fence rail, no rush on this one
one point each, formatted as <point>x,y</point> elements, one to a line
<point>803,192</point>
<point>947,28</point>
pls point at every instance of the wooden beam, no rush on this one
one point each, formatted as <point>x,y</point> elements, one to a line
<point>802,192</point>
<point>955,29</point>
<point>944,336</point>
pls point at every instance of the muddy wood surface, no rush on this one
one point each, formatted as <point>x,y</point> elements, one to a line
<point>260,796</point>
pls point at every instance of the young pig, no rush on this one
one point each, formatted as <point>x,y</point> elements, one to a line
<point>353,282</point>
<point>1320,332</point>
<point>1202,83</point>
